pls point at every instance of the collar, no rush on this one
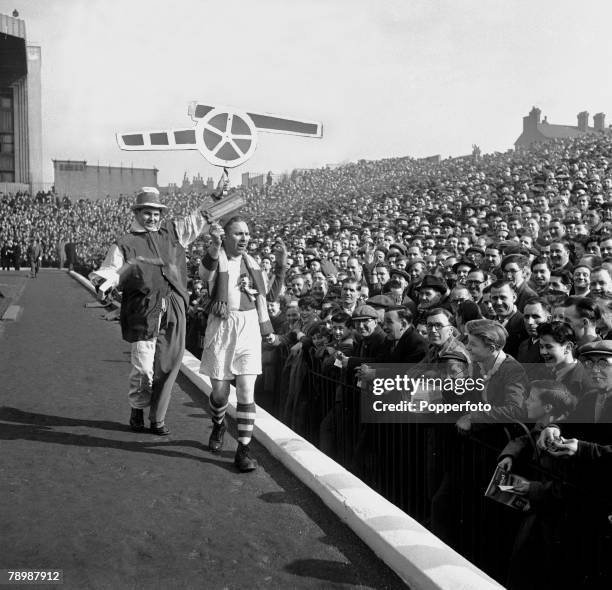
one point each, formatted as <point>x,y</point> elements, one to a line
<point>564,370</point>
<point>499,359</point>
<point>137,228</point>
<point>508,318</point>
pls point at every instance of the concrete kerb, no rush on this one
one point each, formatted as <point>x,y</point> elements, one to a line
<point>422,560</point>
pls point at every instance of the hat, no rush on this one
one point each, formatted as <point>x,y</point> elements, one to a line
<point>467,263</point>
<point>475,249</point>
<point>411,263</point>
<point>433,282</point>
<point>148,196</point>
<point>364,312</point>
<point>383,301</point>
<point>400,272</point>
<point>601,347</point>
<point>453,355</point>
<point>399,247</point>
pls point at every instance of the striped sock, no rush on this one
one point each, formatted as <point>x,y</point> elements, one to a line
<point>217,412</point>
<point>245,416</point>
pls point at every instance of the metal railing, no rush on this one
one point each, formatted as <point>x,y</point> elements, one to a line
<point>428,470</point>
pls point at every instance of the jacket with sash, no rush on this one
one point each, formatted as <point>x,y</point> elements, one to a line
<point>146,285</point>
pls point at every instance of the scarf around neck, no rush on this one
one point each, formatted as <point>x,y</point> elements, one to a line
<point>215,273</point>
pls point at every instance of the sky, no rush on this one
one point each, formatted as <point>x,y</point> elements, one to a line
<point>386,78</point>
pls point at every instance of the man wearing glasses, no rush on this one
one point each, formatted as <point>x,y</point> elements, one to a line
<point>442,337</point>
<point>475,282</point>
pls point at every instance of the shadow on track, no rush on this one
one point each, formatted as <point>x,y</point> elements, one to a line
<point>39,428</point>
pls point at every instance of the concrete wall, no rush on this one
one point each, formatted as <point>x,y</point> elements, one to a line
<point>98,182</point>
<point>35,118</point>
<point>20,126</point>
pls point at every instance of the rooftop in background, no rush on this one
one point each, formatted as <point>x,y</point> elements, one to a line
<point>535,130</point>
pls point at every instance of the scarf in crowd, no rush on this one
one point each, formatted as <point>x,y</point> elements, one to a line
<point>218,285</point>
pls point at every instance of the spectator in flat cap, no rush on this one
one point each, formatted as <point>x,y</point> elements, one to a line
<point>397,289</point>
<point>370,341</point>
<point>399,248</point>
<point>461,270</point>
<point>381,302</point>
<point>475,255</point>
<point>431,293</point>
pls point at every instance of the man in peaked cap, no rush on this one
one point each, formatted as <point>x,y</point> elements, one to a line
<point>432,293</point>
<point>370,341</point>
<point>148,264</point>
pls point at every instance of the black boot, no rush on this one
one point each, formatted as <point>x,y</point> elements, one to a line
<point>243,459</point>
<point>215,442</point>
<point>161,430</point>
<point>137,420</point>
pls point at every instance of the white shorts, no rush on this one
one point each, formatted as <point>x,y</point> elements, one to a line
<point>232,346</point>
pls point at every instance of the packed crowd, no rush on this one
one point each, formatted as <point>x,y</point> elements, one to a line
<point>89,226</point>
<point>496,266</point>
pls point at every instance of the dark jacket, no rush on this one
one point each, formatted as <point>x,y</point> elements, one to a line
<point>410,348</point>
<point>523,294</point>
<point>529,356</point>
<point>515,327</point>
<point>506,391</point>
<point>372,349</point>
<point>575,380</point>
<point>144,286</point>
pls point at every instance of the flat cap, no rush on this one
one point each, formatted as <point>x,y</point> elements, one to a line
<point>379,301</point>
<point>364,312</point>
<point>603,347</point>
<point>433,282</point>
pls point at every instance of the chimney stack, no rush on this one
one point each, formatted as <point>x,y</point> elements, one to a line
<point>531,121</point>
<point>583,121</point>
<point>599,122</point>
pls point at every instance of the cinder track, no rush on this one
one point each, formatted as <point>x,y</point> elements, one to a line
<point>114,509</point>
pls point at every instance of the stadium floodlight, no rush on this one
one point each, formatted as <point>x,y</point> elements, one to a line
<point>225,136</point>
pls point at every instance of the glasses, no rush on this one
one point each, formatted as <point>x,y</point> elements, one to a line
<point>601,364</point>
<point>436,327</point>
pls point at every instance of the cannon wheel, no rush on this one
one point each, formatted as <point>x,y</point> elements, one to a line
<point>226,138</point>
